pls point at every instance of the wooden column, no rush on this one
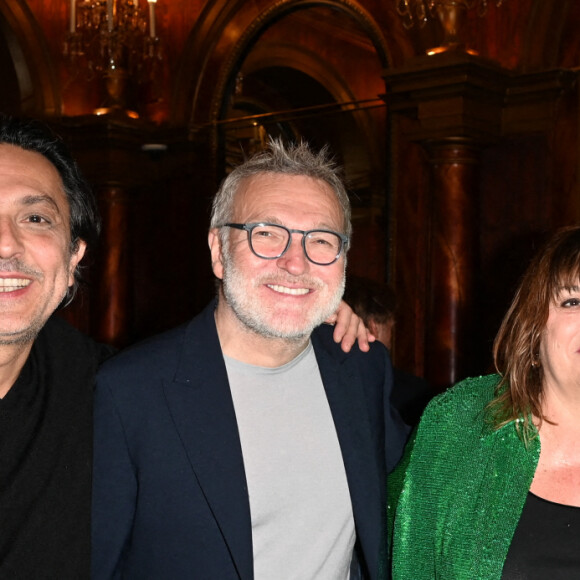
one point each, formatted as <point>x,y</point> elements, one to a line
<point>112,319</point>
<point>455,105</point>
<point>150,270</point>
<point>108,150</point>
<point>453,259</point>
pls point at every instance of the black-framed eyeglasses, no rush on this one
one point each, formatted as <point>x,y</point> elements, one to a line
<point>271,241</point>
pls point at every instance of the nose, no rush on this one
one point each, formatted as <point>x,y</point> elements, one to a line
<point>10,240</point>
<point>294,260</point>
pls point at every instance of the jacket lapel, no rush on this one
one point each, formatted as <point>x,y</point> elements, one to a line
<point>347,403</point>
<point>200,402</point>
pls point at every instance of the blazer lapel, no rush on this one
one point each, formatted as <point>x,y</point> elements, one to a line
<point>347,403</point>
<point>200,402</point>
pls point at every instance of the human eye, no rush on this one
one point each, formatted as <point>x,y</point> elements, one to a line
<point>263,233</point>
<point>570,302</point>
<point>268,239</point>
<point>270,232</point>
<point>40,211</point>
<point>39,219</point>
<point>323,240</point>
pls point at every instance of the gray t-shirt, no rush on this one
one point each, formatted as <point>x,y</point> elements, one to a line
<point>302,522</point>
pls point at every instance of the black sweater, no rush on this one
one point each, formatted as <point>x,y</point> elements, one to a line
<point>46,458</point>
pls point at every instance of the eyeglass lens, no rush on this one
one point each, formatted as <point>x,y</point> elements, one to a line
<point>269,241</point>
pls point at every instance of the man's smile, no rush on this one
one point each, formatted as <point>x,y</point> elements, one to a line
<point>286,290</point>
<point>12,284</point>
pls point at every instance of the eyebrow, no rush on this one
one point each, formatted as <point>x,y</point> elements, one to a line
<point>40,200</point>
<point>278,222</point>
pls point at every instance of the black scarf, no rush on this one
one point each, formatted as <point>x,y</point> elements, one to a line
<point>46,459</point>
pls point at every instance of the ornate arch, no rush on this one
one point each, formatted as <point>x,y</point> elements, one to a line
<point>303,61</point>
<point>35,74</point>
<point>200,91</point>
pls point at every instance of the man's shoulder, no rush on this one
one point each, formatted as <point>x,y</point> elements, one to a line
<point>61,334</point>
<point>322,339</point>
<point>371,371</point>
<point>152,351</point>
<point>162,352</point>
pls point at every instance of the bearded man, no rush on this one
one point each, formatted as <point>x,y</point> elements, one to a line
<point>246,444</point>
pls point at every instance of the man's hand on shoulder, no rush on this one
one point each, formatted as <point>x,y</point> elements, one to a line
<point>349,328</point>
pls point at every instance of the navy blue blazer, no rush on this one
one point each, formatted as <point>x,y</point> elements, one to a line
<point>170,498</point>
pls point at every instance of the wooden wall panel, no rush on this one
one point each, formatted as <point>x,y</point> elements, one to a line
<point>528,181</point>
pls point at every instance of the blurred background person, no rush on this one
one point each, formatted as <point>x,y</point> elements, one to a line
<point>376,304</point>
<point>490,483</point>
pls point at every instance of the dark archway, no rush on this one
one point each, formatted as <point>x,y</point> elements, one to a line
<point>25,57</point>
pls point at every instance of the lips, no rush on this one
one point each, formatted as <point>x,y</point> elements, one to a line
<point>286,290</point>
<point>13,284</point>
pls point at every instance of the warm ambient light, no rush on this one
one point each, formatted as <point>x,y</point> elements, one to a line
<point>108,110</point>
<point>440,49</point>
<point>152,32</point>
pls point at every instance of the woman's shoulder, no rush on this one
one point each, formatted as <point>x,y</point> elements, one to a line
<point>449,436</point>
<point>473,390</point>
<point>463,403</point>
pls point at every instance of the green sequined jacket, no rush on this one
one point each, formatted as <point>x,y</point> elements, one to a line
<point>457,495</point>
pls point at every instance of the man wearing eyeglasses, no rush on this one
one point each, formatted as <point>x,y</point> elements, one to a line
<point>247,444</point>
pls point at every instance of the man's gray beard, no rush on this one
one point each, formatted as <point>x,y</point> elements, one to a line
<point>26,337</point>
<point>232,279</point>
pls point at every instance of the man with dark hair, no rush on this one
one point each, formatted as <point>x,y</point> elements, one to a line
<point>246,444</point>
<point>376,304</point>
<point>47,218</point>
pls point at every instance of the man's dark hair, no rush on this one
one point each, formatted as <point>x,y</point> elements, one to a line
<point>370,299</point>
<point>32,135</point>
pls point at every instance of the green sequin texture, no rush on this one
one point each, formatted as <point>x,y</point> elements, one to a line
<point>457,495</point>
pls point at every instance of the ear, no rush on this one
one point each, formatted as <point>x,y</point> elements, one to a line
<point>373,327</point>
<point>215,247</point>
<point>75,258</point>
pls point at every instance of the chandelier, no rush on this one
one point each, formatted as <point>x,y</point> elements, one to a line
<point>116,40</point>
<point>450,13</point>
<point>417,12</point>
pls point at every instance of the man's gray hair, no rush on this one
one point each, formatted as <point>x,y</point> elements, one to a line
<point>294,159</point>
